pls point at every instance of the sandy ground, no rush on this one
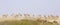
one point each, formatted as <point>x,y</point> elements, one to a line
<point>12,18</point>
<point>4,19</point>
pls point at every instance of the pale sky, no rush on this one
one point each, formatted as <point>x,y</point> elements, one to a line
<point>44,7</point>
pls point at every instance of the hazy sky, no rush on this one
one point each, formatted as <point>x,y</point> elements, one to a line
<point>45,7</point>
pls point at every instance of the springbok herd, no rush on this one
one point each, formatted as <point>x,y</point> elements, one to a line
<point>50,18</point>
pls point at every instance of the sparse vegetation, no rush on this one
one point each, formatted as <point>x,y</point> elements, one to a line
<point>26,21</point>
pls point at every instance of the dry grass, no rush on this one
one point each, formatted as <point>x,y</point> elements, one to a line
<point>28,20</point>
